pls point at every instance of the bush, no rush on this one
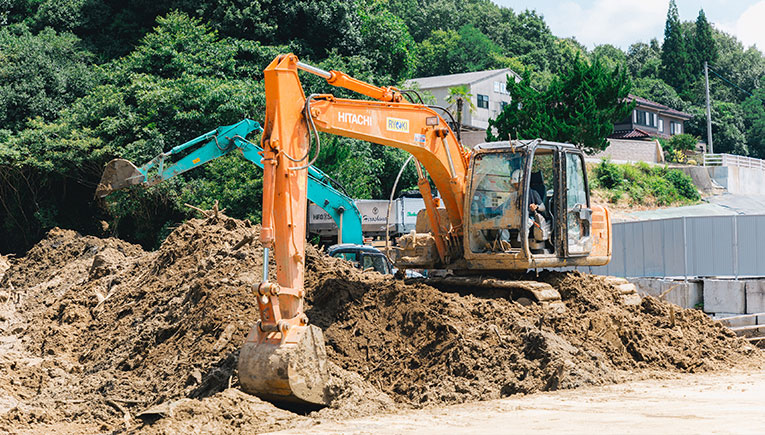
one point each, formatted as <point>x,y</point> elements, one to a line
<point>609,175</point>
<point>644,183</point>
<point>683,184</point>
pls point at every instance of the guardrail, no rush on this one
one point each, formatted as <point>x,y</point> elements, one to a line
<point>733,160</point>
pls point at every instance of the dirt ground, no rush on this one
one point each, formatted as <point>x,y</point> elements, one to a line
<point>717,402</point>
<point>97,336</point>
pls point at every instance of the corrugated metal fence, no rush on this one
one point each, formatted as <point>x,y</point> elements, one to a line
<point>688,246</point>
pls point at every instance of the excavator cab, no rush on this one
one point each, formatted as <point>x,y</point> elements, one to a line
<point>528,206</point>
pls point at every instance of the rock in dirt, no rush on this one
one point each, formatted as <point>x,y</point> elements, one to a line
<point>168,324</point>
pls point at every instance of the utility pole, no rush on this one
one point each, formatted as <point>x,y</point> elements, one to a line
<point>709,112</point>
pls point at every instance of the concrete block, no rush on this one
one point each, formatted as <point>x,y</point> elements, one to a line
<point>755,296</point>
<point>748,321</point>
<point>724,296</point>
<point>761,320</point>
<point>685,294</point>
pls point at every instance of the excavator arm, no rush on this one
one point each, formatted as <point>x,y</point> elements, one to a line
<point>120,173</point>
<point>283,358</point>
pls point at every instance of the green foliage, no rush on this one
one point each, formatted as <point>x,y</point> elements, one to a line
<point>644,60</point>
<point>387,42</point>
<point>41,74</point>
<point>609,175</point>
<point>457,98</point>
<point>704,47</point>
<point>727,127</point>
<point>676,62</point>
<point>610,56</point>
<point>680,142</point>
<point>644,184</point>
<point>657,90</point>
<point>451,52</point>
<point>580,106</point>
<point>754,122</point>
<point>149,101</point>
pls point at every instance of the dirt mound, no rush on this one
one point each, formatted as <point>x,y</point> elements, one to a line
<point>96,331</point>
<point>424,346</point>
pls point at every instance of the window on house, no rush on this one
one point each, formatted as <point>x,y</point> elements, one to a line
<point>645,118</point>
<point>641,117</point>
<point>483,101</point>
<point>661,125</point>
<point>501,88</point>
<point>502,105</point>
<point>675,127</point>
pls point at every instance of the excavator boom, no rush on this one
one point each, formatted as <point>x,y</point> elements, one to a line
<point>120,173</point>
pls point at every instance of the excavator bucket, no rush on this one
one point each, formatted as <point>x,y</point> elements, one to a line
<point>290,370</point>
<point>118,174</point>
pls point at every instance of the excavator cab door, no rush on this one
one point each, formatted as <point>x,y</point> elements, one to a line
<point>578,214</point>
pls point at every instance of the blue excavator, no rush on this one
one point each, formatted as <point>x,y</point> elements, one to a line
<point>120,173</point>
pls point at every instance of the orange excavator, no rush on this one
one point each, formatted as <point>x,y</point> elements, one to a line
<point>504,208</point>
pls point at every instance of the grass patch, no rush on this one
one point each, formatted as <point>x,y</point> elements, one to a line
<point>642,184</point>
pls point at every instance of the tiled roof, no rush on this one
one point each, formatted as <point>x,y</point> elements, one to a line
<point>659,107</point>
<point>635,133</point>
<point>459,79</point>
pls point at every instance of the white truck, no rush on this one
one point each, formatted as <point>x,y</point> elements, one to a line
<point>373,216</point>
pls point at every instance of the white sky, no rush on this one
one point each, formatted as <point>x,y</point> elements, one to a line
<point>623,22</point>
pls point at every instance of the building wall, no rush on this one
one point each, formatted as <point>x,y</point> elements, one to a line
<point>632,151</point>
<point>480,116</point>
<point>631,123</point>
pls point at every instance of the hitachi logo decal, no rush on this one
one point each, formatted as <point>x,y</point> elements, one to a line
<point>352,118</point>
<point>395,124</point>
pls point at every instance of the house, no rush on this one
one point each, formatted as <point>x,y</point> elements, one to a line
<point>489,96</point>
<point>634,137</point>
<point>650,119</point>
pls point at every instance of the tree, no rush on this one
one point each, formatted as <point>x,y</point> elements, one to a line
<point>644,60</point>
<point>754,122</point>
<point>657,90</point>
<point>458,95</point>
<point>580,106</point>
<point>610,56</point>
<point>41,74</point>
<point>387,42</point>
<point>675,61</point>
<point>727,127</point>
<point>451,52</point>
<point>704,48</point>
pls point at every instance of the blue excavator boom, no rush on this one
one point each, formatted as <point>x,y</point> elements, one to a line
<point>120,173</point>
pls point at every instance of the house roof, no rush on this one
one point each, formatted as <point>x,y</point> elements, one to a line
<point>666,110</point>
<point>635,133</point>
<point>459,79</point>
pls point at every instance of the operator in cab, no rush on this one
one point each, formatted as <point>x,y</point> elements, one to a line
<point>496,212</point>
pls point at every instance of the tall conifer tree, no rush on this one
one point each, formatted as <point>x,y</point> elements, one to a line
<point>704,47</point>
<point>676,64</point>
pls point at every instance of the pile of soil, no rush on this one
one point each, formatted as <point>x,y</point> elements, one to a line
<point>94,332</point>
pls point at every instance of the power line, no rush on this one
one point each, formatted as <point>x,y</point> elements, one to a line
<point>734,85</point>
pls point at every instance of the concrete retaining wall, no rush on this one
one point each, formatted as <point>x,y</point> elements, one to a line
<point>720,297</point>
<point>685,294</point>
<point>632,151</point>
<point>739,180</point>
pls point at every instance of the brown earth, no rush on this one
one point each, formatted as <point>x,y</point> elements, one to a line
<point>95,331</point>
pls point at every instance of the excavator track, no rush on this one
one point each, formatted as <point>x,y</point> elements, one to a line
<point>524,292</point>
<point>527,292</point>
